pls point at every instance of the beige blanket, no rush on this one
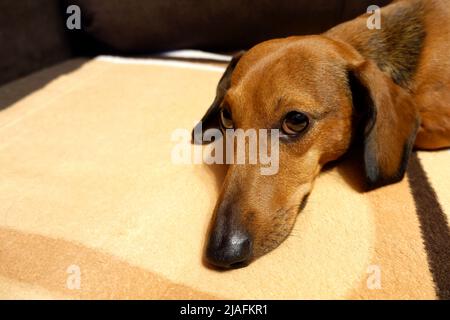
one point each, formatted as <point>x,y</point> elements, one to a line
<point>92,207</point>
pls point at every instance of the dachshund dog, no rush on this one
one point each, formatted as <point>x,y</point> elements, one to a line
<point>387,89</point>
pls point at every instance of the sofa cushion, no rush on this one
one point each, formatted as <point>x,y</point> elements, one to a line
<point>32,36</point>
<point>142,26</point>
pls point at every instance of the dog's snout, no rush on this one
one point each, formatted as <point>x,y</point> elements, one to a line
<point>229,251</point>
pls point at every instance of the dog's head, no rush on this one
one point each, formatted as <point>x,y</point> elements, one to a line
<point>317,92</point>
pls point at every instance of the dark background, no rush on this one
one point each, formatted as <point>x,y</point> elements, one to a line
<point>33,34</point>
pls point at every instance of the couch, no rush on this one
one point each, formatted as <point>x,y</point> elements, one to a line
<point>92,207</point>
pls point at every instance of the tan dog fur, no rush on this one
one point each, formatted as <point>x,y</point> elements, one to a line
<point>402,74</point>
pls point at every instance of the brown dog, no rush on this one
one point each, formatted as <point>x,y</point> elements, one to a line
<point>389,88</point>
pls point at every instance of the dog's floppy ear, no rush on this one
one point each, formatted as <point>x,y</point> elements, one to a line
<point>391,123</point>
<point>212,116</point>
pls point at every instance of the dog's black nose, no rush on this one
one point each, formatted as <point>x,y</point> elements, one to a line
<point>229,251</point>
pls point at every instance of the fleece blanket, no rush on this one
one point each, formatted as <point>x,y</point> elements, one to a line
<point>92,207</point>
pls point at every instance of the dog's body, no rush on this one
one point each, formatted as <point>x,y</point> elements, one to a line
<point>387,88</point>
<point>413,48</point>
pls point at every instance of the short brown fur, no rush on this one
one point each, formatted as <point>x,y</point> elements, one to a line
<point>402,73</point>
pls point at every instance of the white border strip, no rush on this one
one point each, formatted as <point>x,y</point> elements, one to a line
<point>196,54</point>
<point>160,62</point>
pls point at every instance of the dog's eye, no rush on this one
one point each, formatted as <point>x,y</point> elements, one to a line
<point>294,123</point>
<point>225,119</point>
